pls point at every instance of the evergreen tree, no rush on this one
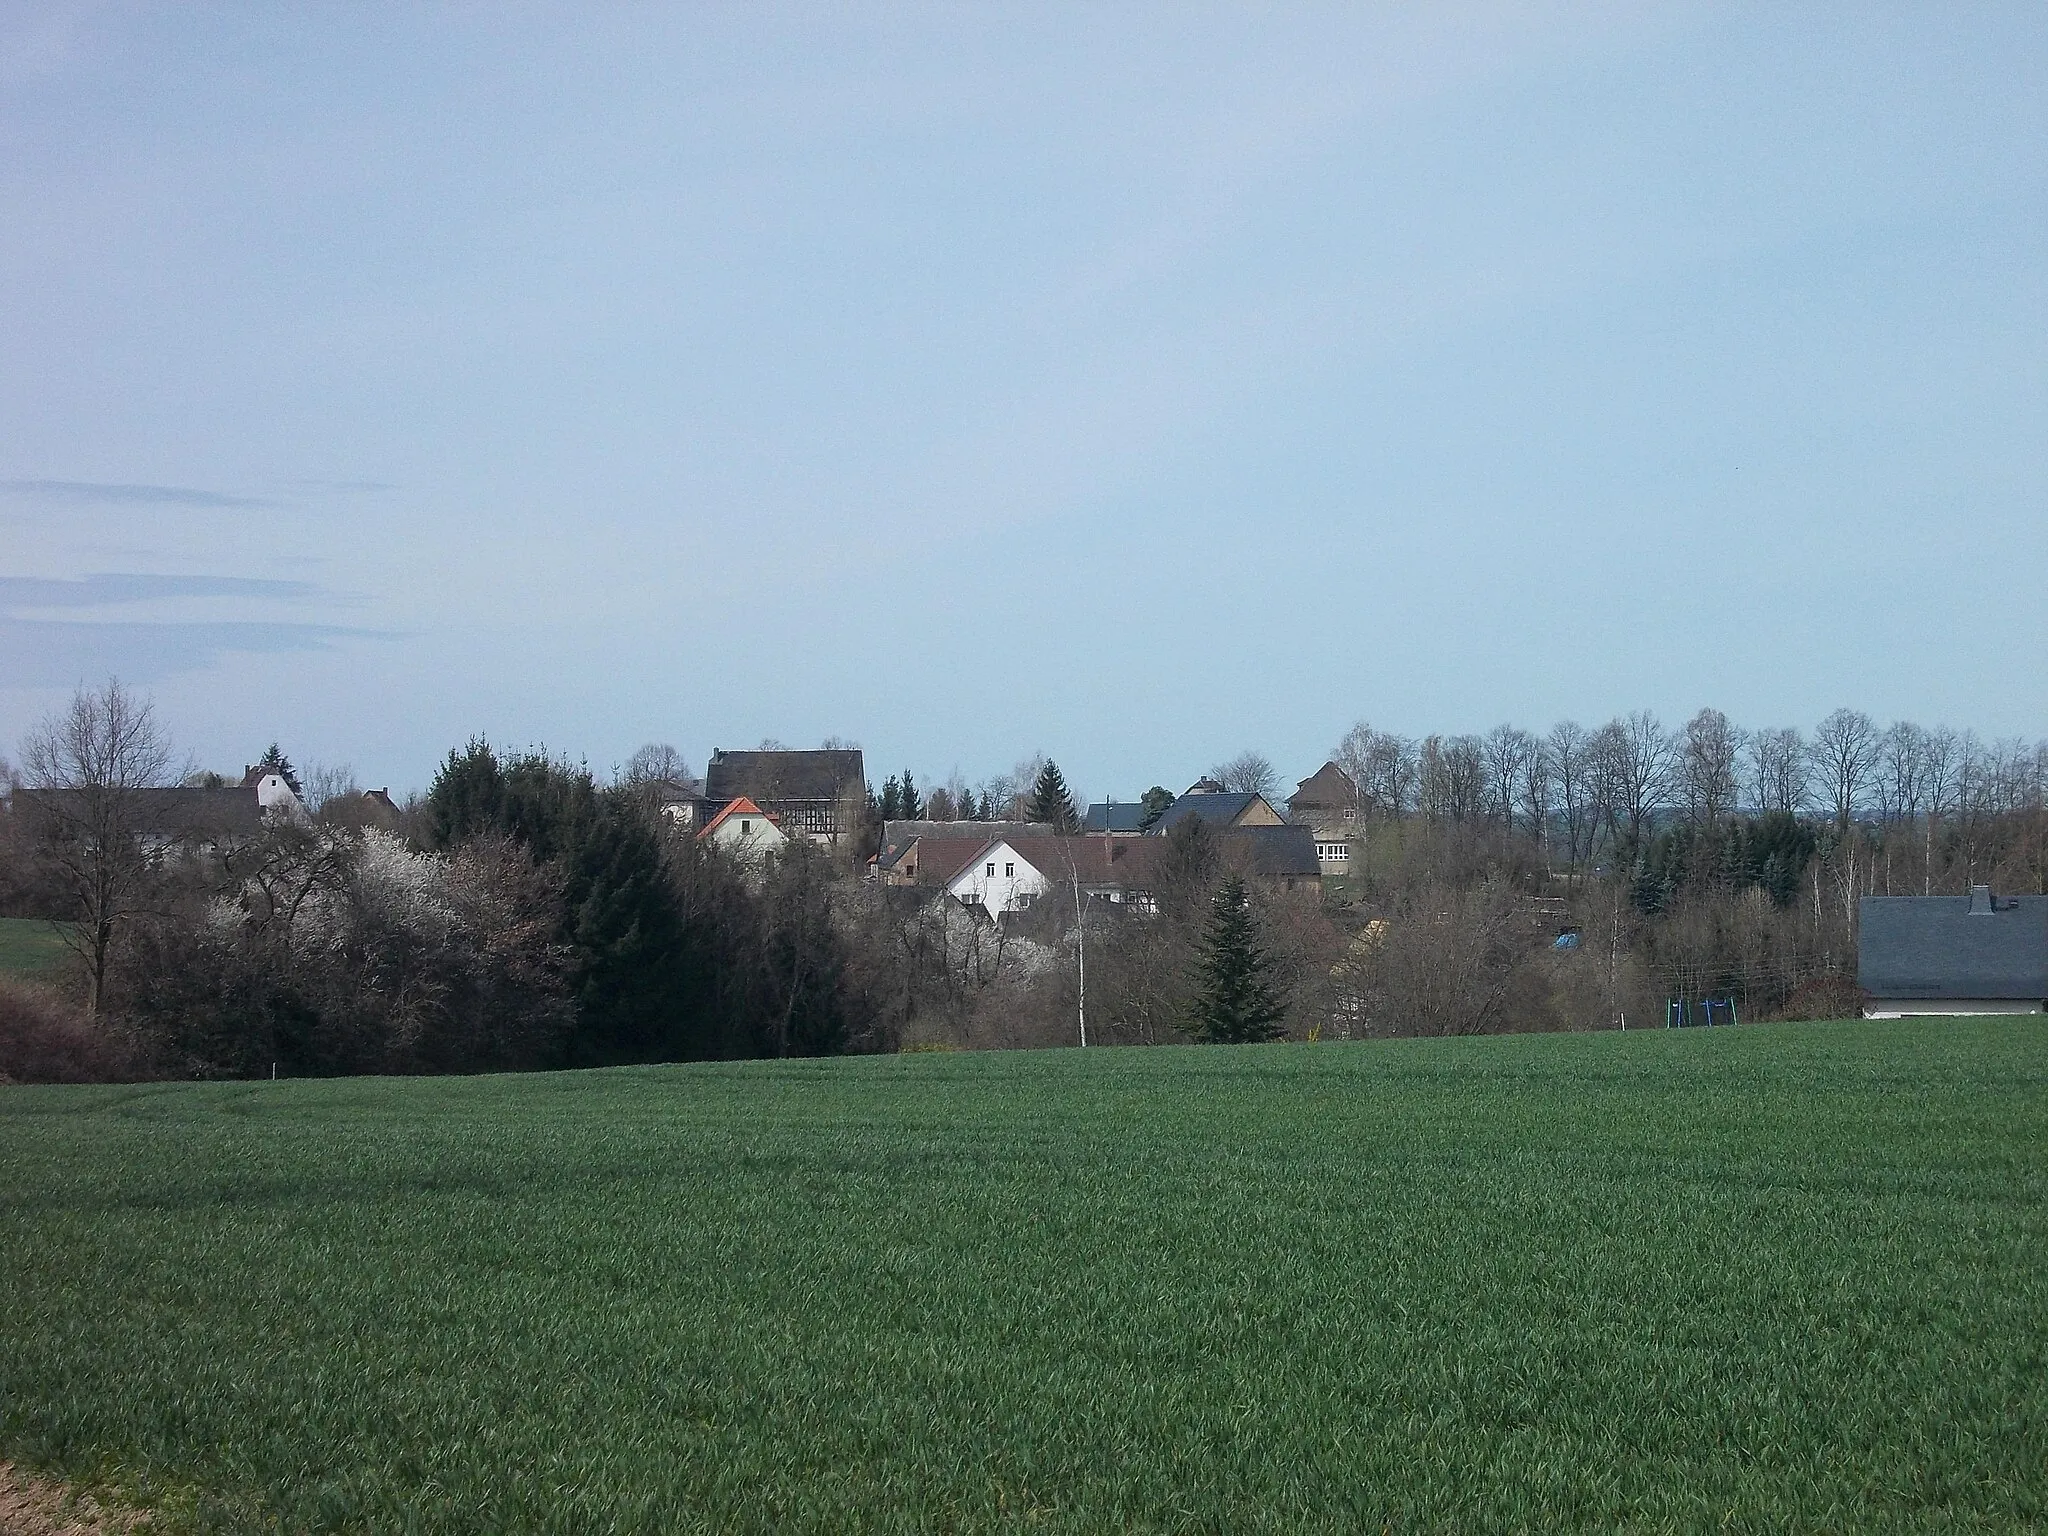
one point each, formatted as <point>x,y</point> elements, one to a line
<point>1235,1001</point>
<point>1157,801</point>
<point>892,799</point>
<point>1050,800</point>
<point>274,761</point>
<point>467,797</point>
<point>986,811</point>
<point>913,808</point>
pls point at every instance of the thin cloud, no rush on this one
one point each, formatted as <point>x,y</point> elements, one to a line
<point>37,653</point>
<point>132,495</point>
<point>132,587</point>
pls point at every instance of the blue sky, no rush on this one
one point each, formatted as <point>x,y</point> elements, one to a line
<point>1131,384</point>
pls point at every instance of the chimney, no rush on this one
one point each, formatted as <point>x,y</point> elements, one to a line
<point>1981,904</point>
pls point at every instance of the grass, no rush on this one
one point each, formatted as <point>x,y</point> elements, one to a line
<point>30,944</point>
<point>1784,1277</point>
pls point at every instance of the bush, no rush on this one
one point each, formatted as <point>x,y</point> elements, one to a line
<point>46,1039</point>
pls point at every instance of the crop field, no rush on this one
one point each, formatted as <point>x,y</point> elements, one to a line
<point>1786,1277</point>
<point>29,944</point>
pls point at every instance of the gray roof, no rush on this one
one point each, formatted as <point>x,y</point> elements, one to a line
<point>1274,850</point>
<point>178,814</point>
<point>1218,810</point>
<point>1115,816</point>
<point>1954,946</point>
<point>825,774</point>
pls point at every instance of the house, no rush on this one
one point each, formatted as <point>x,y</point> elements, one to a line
<point>1008,874</point>
<point>744,830</point>
<point>272,792</point>
<point>195,820</point>
<point>1281,858</point>
<point>930,860</point>
<point>369,809</point>
<point>1978,953</point>
<point>821,794</point>
<point>1116,818</point>
<point>895,862</point>
<point>1220,809</point>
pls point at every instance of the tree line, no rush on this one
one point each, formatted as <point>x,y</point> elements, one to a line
<point>525,913</point>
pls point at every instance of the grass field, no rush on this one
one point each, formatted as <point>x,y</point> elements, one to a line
<point>29,944</point>
<point>1786,1277</point>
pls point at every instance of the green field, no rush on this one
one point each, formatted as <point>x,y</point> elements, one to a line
<point>30,944</point>
<point>1787,1277</point>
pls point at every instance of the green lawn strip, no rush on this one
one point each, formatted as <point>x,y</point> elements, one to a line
<point>30,945</point>
<point>1778,1277</point>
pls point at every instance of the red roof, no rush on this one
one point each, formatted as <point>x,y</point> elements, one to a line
<point>740,807</point>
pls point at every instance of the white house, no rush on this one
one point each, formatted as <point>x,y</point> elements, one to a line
<point>744,830</point>
<point>999,880</point>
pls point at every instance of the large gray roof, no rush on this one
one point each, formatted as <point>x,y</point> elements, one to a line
<point>1938,947</point>
<point>168,813</point>
<point>825,774</point>
<point>1219,810</point>
<point>1115,816</point>
<point>1275,850</point>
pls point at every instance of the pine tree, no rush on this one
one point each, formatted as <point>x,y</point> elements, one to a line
<point>274,761</point>
<point>1235,1002</point>
<point>1157,801</point>
<point>1050,800</point>
<point>913,808</point>
<point>986,811</point>
<point>892,799</point>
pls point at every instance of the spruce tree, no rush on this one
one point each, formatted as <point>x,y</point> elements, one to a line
<point>913,808</point>
<point>986,811</point>
<point>1235,1001</point>
<point>892,799</point>
<point>1050,800</point>
<point>274,761</point>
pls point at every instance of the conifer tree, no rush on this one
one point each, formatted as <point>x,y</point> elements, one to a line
<point>892,799</point>
<point>274,761</point>
<point>913,808</point>
<point>1235,1001</point>
<point>986,811</point>
<point>1050,800</point>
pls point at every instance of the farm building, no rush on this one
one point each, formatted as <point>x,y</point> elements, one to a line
<point>1978,953</point>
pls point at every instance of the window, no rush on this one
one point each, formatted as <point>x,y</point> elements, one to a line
<point>1009,871</point>
<point>991,871</point>
<point>1350,813</point>
<point>746,827</point>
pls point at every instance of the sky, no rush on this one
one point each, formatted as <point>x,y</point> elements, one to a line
<point>1132,384</point>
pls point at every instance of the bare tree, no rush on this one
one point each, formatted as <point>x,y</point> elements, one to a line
<point>1507,750</point>
<point>1381,766</point>
<point>1568,752</point>
<point>87,764</point>
<point>1539,778</point>
<point>659,763</point>
<point>1941,755</point>
<point>1634,755</point>
<point>1706,767</point>
<point>328,781</point>
<point>1248,773</point>
<point>1844,755</point>
<point>1450,781</point>
<point>1776,765</point>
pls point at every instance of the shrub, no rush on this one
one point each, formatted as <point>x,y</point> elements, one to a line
<point>45,1038</point>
